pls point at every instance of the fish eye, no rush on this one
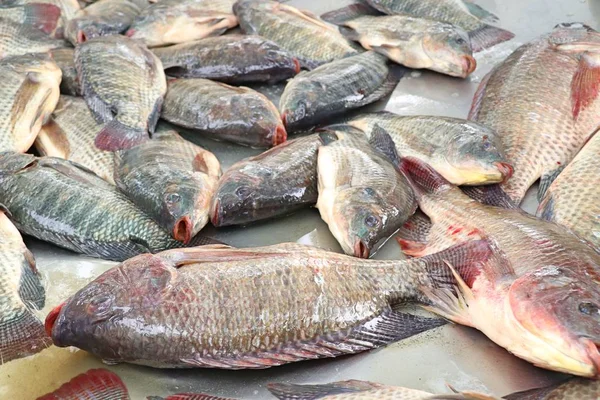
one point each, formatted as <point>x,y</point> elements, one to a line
<point>487,145</point>
<point>588,308</point>
<point>371,221</point>
<point>460,40</point>
<point>369,191</point>
<point>242,192</point>
<point>172,198</point>
<point>99,304</point>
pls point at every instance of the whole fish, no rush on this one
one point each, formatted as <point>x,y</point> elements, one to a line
<point>573,389</point>
<point>94,384</point>
<point>40,16</point>
<point>218,307</point>
<point>29,91</point>
<point>538,296</point>
<point>542,102</point>
<point>70,134</point>
<point>333,88</point>
<point>178,21</point>
<point>60,202</point>
<point>20,39</point>
<point>103,18</point>
<point>172,180</point>
<point>123,83</point>
<point>21,292</point>
<point>277,182</point>
<point>464,152</point>
<point>462,13</point>
<point>65,59</point>
<point>233,59</point>
<point>362,198</point>
<point>219,111</point>
<point>303,34</point>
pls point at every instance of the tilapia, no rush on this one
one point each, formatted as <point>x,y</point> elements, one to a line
<point>218,307</point>
<point>362,198</point>
<point>62,203</point>
<point>21,292</point>
<point>462,13</point>
<point>65,59</point>
<point>123,84</point>
<point>103,18</point>
<point>98,384</point>
<point>172,180</point>
<point>29,91</point>
<point>312,97</point>
<point>219,111</point>
<point>179,21</point>
<point>40,16</point>
<point>304,35</point>
<point>70,134</point>
<point>573,389</point>
<point>68,8</point>
<point>233,59</point>
<point>277,182</point>
<point>538,295</point>
<point>542,103</point>
<point>464,152</point>
<point>415,42</point>
<point>20,39</point>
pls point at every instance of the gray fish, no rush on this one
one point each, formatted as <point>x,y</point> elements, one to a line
<point>573,389</point>
<point>21,292</point>
<point>173,180</point>
<point>105,17</point>
<point>219,111</point>
<point>70,134</point>
<point>65,59</point>
<point>301,33</point>
<point>123,83</point>
<point>235,59</point>
<point>44,17</point>
<point>333,88</point>
<point>362,198</point>
<point>277,182</point>
<point>21,39</point>
<point>218,307</point>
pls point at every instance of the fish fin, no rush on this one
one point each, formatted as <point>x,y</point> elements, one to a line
<point>487,36</point>
<point>102,112</point>
<point>5,210</point>
<point>383,143</point>
<point>155,115</point>
<point>422,177</point>
<point>201,240</point>
<point>348,13</point>
<point>95,383</point>
<point>142,245</point>
<point>412,248</point>
<point>13,162</point>
<point>546,208</point>
<point>491,195</point>
<point>546,181</point>
<point>57,137</point>
<point>74,171</point>
<point>190,396</point>
<point>313,392</point>
<point>21,108</point>
<point>21,334</point>
<point>117,136</point>
<point>212,253</point>
<point>42,16</point>
<point>481,13</point>
<point>327,136</point>
<point>416,229</point>
<point>585,85</point>
<point>31,290</point>
<point>479,96</point>
<point>350,33</point>
<point>386,88</point>
<point>304,14</point>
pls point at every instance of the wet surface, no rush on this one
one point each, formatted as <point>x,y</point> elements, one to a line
<point>454,355</point>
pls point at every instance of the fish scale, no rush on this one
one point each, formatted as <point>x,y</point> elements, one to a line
<point>19,39</point>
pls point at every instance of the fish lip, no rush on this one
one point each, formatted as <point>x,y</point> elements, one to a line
<point>214,219</point>
<point>505,169</point>
<point>81,36</point>
<point>51,319</point>
<point>594,355</point>
<point>361,250</point>
<point>297,66</point>
<point>280,135</point>
<point>182,230</point>
<point>469,65</point>
<point>130,32</point>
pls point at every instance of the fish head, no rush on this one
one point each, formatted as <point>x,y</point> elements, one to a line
<point>560,308</point>
<point>150,27</point>
<point>238,197</point>
<point>475,156</point>
<point>180,204</point>
<point>299,104</point>
<point>80,30</point>
<point>574,37</point>
<point>279,58</point>
<point>449,49</point>
<point>261,118</point>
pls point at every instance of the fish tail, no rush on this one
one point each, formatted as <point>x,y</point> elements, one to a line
<point>349,33</point>
<point>95,383</point>
<point>42,16</point>
<point>118,136</point>
<point>348,13</point>
<point>21,334</point>
<point>487,36</point>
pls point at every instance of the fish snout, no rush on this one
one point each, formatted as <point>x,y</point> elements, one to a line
<point>361,250</point>
<point>280,135</point>
<point>216,211</point>
<point>469,65</point>
<point>505,169</point>
<point>51,319</point>
<point>594,355</point>
<point>130,32</point>
<point>182,230</point>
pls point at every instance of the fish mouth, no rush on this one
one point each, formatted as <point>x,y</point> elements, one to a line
<point>130,32</point>
<point>214,219</point>
<point>51,318</point>
<point>280,135</point>
<point>182,231</point>
<point>593,354</point>
<point>361,250</point>
<point>81,36</point>
<point>505,169</point>
<point>469,65</point>
<point>297,66</point>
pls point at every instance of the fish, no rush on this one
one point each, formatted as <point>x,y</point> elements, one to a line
<point>414,42</point>
<point>222,112</point>
<point>542,103</point>
<point>21,331</point>
<point>29,91</point>
<point>123,84</point>
<point>172,180</point>
<point>464,152</point>
<point>303,34</point>
<point>93,384</point>
<point>40,16</point>
<point>20,39</point>
<point>218,307</point>
<point>67,205</point>
<point>189,396</point>
<point>68,8</point>
<point>572,389</point>
<point>179,21</point>
<point>65,59</point>
<point>362,198</point>
<point>102,18</point>
<point>331,89</point>
<point>233,59</point>
<point>277,182</point>
<point>537,295</point>
<point>70,133</point>
<point>569,200</point>
<point>464,14</point>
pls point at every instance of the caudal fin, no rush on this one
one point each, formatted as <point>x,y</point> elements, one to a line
<point>488,36</point>
<point>21,334</point>
<point>42,16</point>
<point>93,384</point>
<point>348,13</point>
<point>117,136</point>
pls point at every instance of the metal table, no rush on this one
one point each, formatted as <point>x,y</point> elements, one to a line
<point>453,354</point>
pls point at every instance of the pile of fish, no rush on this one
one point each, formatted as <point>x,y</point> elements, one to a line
<point>96,109</point>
